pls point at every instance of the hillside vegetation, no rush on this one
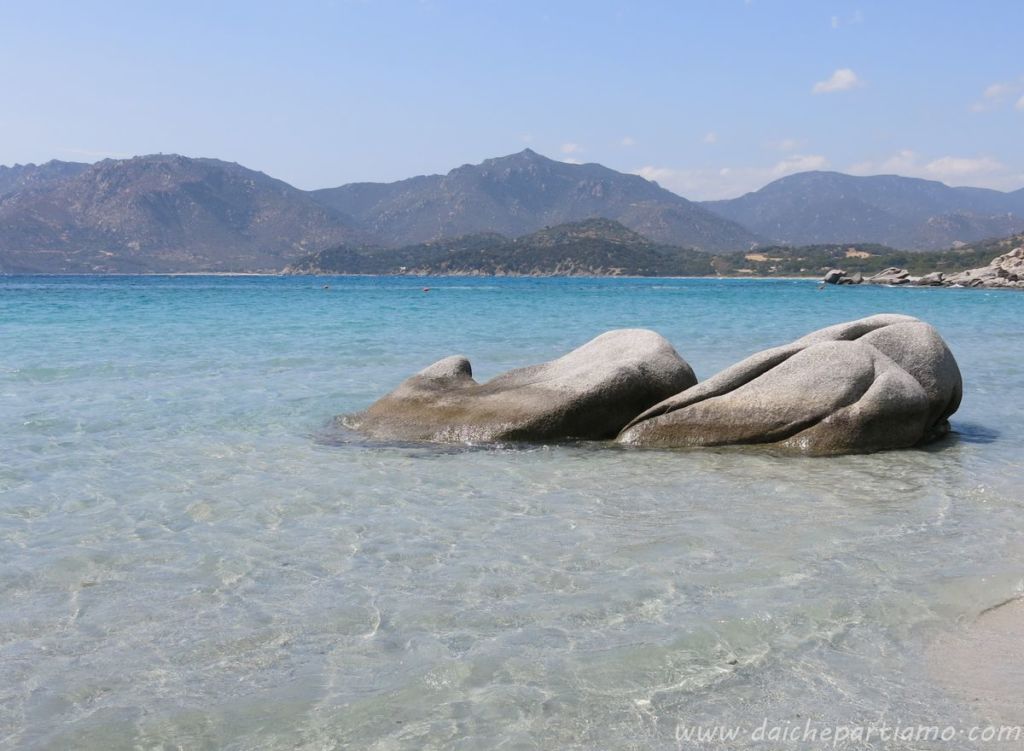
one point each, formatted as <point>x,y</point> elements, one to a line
<point>601,247</point>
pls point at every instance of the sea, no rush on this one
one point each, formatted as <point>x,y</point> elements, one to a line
<point>195,555</point>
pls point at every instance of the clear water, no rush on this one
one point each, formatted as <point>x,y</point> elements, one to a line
<point>191,558</point>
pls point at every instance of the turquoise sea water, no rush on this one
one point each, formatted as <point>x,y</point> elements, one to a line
<point>191,557</point>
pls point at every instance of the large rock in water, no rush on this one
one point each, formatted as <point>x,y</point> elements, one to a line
<point>590,393</point>
<point>834,276</point>
<point>884,382</point>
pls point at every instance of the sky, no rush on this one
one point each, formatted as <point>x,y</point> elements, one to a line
<point>711,99</point>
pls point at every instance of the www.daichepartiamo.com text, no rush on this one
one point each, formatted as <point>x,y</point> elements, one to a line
<point>694,736</point>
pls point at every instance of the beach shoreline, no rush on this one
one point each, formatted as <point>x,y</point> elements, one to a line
<point>983,663</point>
<point>401,276</point>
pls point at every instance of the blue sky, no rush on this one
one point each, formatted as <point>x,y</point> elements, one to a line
<point>711,99</point>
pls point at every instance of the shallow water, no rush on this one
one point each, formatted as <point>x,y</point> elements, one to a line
<point>192,557</point>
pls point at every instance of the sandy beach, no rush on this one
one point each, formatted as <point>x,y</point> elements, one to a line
<point>983,664</point>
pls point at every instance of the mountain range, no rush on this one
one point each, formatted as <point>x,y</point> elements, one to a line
<point>169,213</point>
<point>524,192</point>
<point>902,212</point>
<point>157,213</point>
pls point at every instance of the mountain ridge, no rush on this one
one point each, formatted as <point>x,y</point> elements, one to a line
<point>162,213</point>
<point>521,193</point>
<point>170,213</point>
<point>25,176</point>
<point>906,212</point>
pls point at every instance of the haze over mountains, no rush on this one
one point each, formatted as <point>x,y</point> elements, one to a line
<point>25,176</point>
<point>158,213</point>
<point>902,212</point>
<point>524,192</point>
<point>173,213</point>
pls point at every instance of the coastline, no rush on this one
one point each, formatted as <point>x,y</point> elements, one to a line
<point>402,276</point>
<point>320,275</point>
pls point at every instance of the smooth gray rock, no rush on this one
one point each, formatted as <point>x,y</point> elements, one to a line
<point>934,279</point>
<point>891,275</point>
<point>834,276</point>
<point>973,277</point>
<point>884,382</point>
<point>590,393</point>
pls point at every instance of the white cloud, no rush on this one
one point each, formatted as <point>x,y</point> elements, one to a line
<point>628,141</point>
<point>903,162</point>
<point>1020,104</point>
<point>787,145</point>
<point>710,137</point>
<point>657,174</point>
<point>94,154</point>
<point>570,160</point>
<point>999,93</point>
<point>799,163</point>
<point>981,171</point>
<point>843,79</point>
<point>958,166</point>
<point>856,18</point>
<point>728,182</point>
<point>997,90</point>
<point>571,148</point>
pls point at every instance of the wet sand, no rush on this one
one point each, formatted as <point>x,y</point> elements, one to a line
<point>983,664</point>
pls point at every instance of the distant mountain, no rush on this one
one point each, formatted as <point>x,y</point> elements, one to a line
<point>594,247</point>
<point>518,194</point>
<point>157,213</point>
<point>903,212</point>
<point>27,176</point>
<point>168,213</point>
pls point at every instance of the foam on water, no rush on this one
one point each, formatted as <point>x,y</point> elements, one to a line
<point>194,556</point>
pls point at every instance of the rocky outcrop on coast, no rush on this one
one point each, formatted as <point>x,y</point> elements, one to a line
<point>1004,272</point>
<point>590,393</point>
<point>884,382</point>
